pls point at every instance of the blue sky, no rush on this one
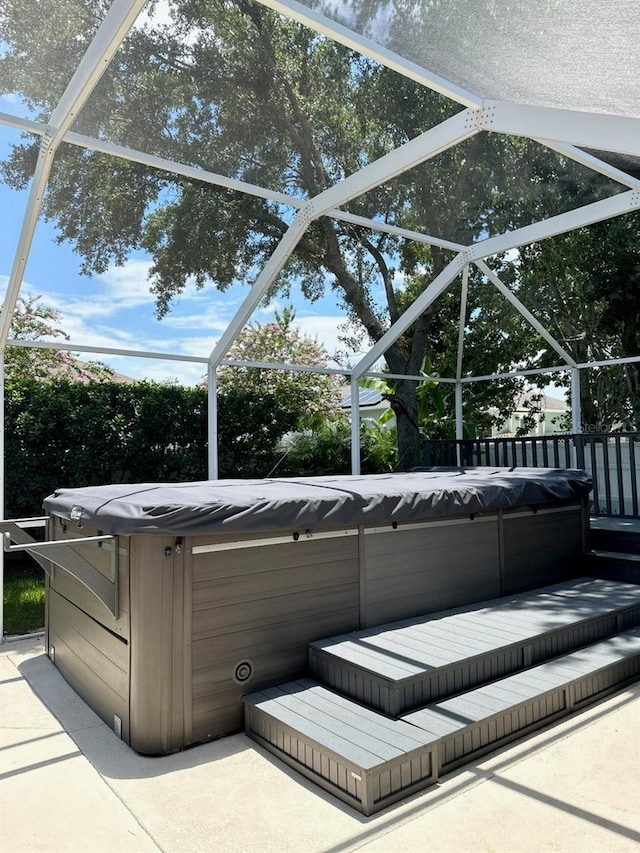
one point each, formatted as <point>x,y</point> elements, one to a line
<point>116,309</point>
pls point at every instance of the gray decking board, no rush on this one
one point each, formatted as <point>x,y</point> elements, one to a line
<point>343,717</point>
<point>370,760</point>
<point>377,661</point>
<point>400,666</point>
<point>404,652</point>
<point>512,622</point>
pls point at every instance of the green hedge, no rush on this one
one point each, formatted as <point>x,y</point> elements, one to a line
<point>62,433</point>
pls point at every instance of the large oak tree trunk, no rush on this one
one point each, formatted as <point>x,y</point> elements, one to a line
<point>404,405</point>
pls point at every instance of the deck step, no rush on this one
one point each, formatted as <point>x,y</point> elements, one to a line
<point>621,535</point>
<point>402,666</point>
<point>478,721</point>
<point>614,565</point>
<point>371,761</point>
<point>361,756</point>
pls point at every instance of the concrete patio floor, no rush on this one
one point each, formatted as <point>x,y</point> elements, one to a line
<point>68,784</point>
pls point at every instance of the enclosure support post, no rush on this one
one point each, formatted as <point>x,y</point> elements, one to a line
<point>458,389</point>
<point>2,489</point>
<point>576,414</point>
<point>459,423</point>
<point>355,425</point>
<point>212,422</point>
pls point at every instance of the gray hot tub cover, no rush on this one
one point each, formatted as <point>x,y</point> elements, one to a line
<point>312,503</point>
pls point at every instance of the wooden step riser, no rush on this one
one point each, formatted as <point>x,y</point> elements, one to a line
<point>522,720</point>
<point>613,569</point>
<point>395,699</point>
<point>615,540</point>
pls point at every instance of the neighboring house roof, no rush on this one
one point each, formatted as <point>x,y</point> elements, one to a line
<point>367,397</point>
<point>543,402</point>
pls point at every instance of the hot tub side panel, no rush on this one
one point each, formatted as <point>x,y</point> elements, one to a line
<point>542,546</point>
<point>160,688</point>
<point>88,644</point>
<point>421,568</point>
<point>256,606</point>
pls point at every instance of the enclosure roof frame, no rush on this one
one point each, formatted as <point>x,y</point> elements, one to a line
<point>567,131</point>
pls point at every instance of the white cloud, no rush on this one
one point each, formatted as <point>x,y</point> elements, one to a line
<point>214,317</point>
<point>197,346</point>
<point>127,286</point>
<point>325,328</point>
<point>119,289</point>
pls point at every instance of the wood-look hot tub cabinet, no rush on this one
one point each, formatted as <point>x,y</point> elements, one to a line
<point>188,596</point>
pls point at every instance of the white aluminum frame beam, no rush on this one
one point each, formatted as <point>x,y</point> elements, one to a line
<point>175,167</point>
<point>422,378</point>
<point>395,230</point>
<point>610,362</point>
<point>598,211</point>
<point>113,29</point>
<point>463,320</point>
<point>512,374</point>
<point>590,130</point>
<point>212,423</point>
<point>425,147</point>
<point>98,350</point>
<point>287,368</point>
<point>355,425</point>
<point>592,162</point>
<point>215,179</point>
<point>524,311</point>
<point>267,276</point>
<point>576,414</point>
<point>459,418</point>
<point>461,328</point>
<point>227,362</point>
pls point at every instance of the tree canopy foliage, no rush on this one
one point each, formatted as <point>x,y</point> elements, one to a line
<point>231,87</point>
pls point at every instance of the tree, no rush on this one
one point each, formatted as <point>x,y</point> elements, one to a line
<point>229,86</point>
<point>585,286</point>
<point>33,321</point>
<point>307,397</point>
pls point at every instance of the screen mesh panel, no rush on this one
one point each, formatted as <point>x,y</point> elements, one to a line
<point>571,54</point>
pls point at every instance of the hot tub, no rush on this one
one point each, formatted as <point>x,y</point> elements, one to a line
<point>167,602</point>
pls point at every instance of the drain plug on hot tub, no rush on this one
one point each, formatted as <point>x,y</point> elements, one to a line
<point>243,671</point>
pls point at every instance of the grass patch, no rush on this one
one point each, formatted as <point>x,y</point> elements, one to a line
<point>23,601</point>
